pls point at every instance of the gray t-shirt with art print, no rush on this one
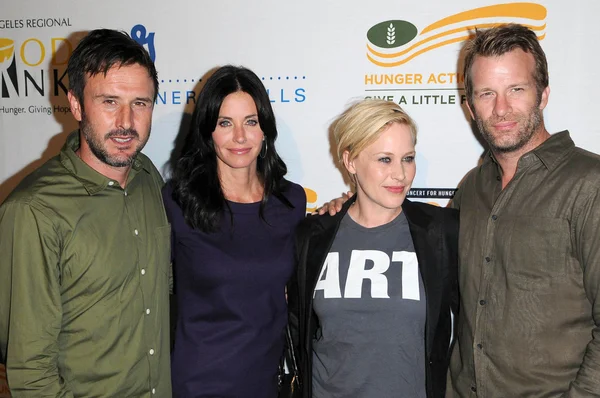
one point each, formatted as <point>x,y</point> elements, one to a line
<point>371,306</point>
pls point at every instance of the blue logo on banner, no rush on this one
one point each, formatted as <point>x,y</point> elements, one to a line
<point>138,33</point>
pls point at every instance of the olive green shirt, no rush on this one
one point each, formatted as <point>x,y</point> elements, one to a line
<point>530,277</point>
<point>84,282</point>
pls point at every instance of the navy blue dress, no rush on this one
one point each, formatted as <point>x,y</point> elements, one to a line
<point>230,298</point>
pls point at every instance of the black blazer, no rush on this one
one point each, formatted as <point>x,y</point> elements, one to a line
<point>434,231</point>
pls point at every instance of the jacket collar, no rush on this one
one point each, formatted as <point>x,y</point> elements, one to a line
<point>549,152</point>
<point>415,216</point>
<point>92,181</point>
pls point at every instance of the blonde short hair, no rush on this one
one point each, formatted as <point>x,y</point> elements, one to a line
<point>362,122</point>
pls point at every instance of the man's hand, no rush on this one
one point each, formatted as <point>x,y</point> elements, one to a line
<point>334,205</point>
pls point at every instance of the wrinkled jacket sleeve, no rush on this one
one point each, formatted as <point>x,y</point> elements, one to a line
<point>587,233</point>
<point>31,309</point>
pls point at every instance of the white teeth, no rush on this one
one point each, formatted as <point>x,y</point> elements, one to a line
<point>122,140</point>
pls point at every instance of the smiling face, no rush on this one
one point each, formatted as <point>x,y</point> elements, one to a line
<point>384,170</point>
<point>505,102</point>
<point>238,138</point>
<point>116,116</point>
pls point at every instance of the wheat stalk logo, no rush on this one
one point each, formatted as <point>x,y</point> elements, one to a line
<point>391,34</point>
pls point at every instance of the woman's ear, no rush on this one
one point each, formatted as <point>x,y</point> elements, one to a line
<point>348,163</point>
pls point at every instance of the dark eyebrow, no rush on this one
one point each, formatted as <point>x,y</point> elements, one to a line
<point>110,96</point>
<point>144,99</point>
<point>230,118</point>
<point>105,96</point>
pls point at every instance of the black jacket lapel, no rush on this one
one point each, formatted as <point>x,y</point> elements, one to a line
<point>321,241</point>
<point>423,233</point>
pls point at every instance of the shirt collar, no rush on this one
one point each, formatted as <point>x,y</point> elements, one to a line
<point>91,180</point>
<point>550,152</point>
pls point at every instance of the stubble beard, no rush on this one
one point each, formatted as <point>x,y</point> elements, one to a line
<point>98,147</point>
<point>532,122</point>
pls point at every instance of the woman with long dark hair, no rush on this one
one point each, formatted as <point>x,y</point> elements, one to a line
<point>233,215</point>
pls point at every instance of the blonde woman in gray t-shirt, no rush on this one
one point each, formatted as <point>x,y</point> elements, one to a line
<point>371,301</point>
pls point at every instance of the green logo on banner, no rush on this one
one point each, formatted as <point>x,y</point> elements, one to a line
<point>392,34</point>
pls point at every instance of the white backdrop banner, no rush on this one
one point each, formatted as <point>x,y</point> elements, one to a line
<point>314,58</point>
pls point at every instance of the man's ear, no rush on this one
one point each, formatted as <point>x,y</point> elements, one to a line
<point>470,110</point>
<point>544,99</point>
<point>76,108</point>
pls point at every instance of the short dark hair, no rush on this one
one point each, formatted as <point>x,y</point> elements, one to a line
<point>500,40</point>
<point>196,185</point>
<point>100,50</point>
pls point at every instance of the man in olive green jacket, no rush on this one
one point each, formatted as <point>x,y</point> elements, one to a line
<point>529,256</point>
<point>85,243</point>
